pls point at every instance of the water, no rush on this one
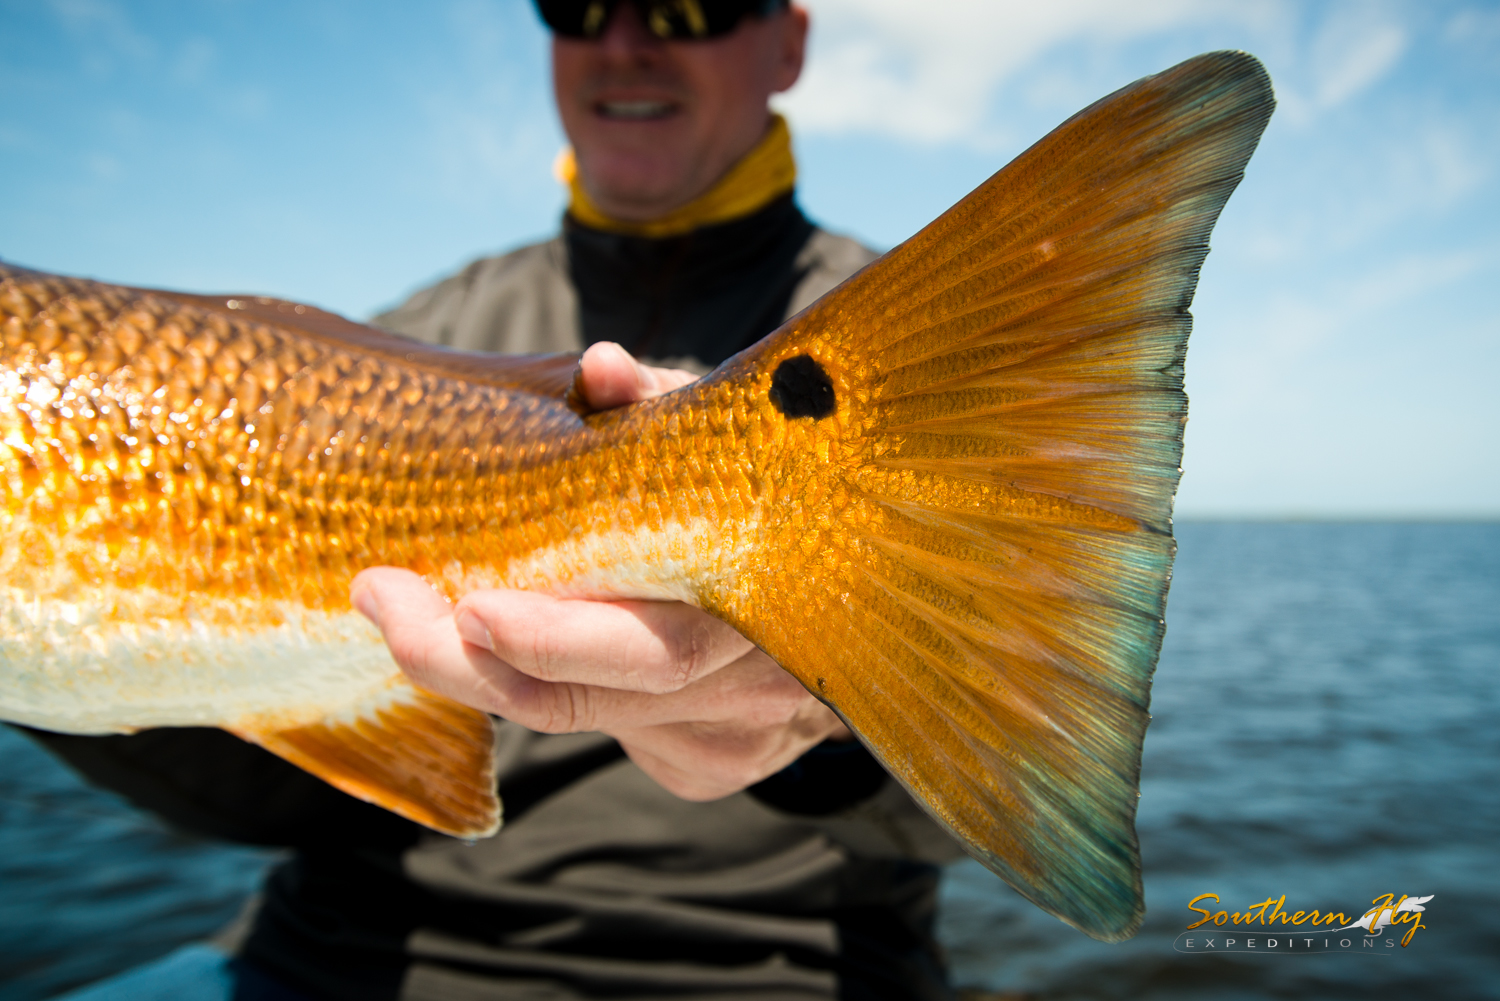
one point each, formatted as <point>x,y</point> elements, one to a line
<point>1326,723</point>
<point>90,886</point>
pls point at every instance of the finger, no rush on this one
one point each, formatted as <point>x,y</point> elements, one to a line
<point>663,380</point>
<point>701,762</point>
<point>765,720</point>
<point>642,646</point>
<point>417,623</point>
<point>609,377</point>
<point>747,695</point>
<point>419,629</point>
<point>424,640</point>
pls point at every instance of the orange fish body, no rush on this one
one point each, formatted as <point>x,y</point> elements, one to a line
<point>940,497</point>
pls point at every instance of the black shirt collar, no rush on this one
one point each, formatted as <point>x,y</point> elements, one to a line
<point>703,295</point>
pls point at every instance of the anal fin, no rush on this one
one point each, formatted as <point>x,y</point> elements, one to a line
<point>416,754</point>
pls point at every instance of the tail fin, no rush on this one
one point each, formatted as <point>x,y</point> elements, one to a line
<point>982,599</point>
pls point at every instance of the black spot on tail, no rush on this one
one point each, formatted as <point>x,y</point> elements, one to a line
<point>800,388</point>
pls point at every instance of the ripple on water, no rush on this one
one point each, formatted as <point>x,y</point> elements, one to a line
<point>90,886</point>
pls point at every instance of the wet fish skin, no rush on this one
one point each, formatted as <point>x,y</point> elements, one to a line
<point>169,462</point>
<point>959,538</point>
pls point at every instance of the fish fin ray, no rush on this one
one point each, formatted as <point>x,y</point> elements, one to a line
<point>419,755</point>
<point>1011,378</point>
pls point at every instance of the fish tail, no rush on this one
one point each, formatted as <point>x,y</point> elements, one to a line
<point>984,428</point>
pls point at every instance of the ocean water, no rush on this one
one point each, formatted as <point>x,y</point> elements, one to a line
<point>1326,726</point>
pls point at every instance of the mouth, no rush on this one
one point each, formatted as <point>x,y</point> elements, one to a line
<point>640,110</point>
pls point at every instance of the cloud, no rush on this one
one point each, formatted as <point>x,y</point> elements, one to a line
<point>14,138</point>
<point>1476,26</point>
<point>928,72</point>
<point>1446,166</point>
<point>195,59</point>
<point>108,33</point>
<point>1355,47</point>
<point>1340,323</point>
<point>249,103</point>
<point>103,166</point>
<point>1366,395</point>
<point>1353,55</point>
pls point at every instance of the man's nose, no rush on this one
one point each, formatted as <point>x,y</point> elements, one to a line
<point>626,34</point>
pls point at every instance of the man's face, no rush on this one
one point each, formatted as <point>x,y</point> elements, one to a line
<point>655,123</point>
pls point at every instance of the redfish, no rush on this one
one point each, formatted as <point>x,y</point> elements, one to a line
<point>940,497</point>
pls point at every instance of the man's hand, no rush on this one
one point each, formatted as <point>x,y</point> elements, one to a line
<point>694,703</point>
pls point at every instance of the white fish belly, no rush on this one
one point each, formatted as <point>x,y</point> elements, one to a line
<point>108,660</point>
<point>75,667</point>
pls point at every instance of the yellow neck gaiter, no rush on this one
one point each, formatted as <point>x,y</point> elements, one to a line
<point>761,176</point>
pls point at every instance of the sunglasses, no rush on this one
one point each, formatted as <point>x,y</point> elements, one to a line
<point>672,20</point>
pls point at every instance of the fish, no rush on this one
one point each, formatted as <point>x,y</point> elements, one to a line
<point>940,497</point>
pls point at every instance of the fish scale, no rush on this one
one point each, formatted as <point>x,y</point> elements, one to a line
<point>940,497</point>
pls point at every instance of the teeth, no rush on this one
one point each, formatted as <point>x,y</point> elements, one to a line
<point>635,109</point>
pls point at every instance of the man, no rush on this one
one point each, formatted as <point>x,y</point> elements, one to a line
<point>682,818</point>
<point>666,134</point>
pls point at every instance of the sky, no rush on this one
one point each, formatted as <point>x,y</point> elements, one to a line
<point>1346,351</point>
